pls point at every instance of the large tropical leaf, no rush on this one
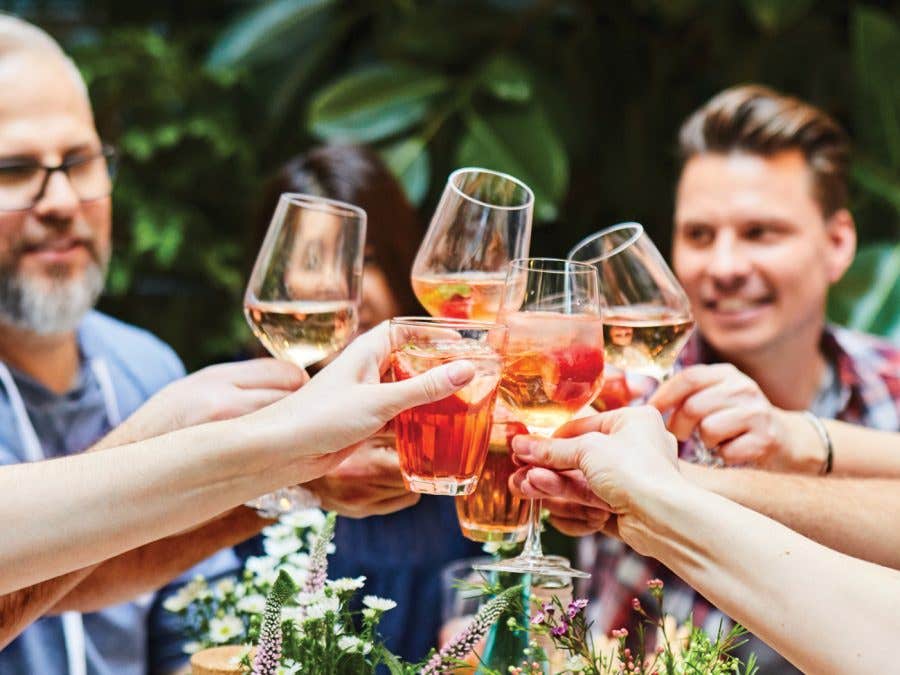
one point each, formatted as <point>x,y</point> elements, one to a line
<point>868,297</point>
<point>409,161</point>
<point>876,52</point>
<point>519,141</point>
<point>374,103</point>
<point>264,31</point>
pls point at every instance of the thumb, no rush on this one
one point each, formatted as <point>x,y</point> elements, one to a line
<point>433,385</point>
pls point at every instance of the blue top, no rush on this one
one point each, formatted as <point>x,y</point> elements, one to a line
<point>401,555</point>
<point>116,638</point>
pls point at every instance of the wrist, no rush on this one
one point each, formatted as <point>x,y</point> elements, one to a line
<point>802,449</point>
<point>665,518</point>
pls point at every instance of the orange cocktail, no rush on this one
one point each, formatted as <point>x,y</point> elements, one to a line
<point>492,512</point>
<point>443,445</point>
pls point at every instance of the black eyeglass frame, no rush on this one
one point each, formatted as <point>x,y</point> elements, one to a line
<point>108,152</point>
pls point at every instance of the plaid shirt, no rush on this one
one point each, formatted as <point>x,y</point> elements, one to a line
<point>864,389</point>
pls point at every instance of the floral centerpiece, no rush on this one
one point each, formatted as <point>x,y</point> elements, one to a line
<point>302,622</point>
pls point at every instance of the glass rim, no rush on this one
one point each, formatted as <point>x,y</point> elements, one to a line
<point>586,268</point>
<point>472,169</point>
<point>323,204</point>
<point>469,324</point>
<point>629,225</point>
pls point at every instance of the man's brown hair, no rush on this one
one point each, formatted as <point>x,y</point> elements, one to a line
<point>758,120</point>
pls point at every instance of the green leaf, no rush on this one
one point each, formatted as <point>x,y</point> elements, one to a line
<point>868,297</point>
<point>774,15</point>
<point>507,79</point>
<point>877,179</point>
<point>374,103</point>
<point>260,28</point>
<point>521,142</point>
<point>392,662</point>
<point>876,52</point>
<point>409,161</point>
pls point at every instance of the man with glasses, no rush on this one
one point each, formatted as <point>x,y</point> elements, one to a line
<point>68,374</point>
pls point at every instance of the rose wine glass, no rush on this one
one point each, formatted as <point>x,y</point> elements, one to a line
<point>552,368</point>
<point>303,295</point>
<point>648,318</point>
<point>482,221</point>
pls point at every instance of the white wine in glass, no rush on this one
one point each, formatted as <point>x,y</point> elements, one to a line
<point>482,222</point>
<point>303,295</point>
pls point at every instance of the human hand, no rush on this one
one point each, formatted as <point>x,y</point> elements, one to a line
<point>618,461</point>
<point>346,403</point>
<point>368,483</point>
<point>731,414</point>
<point>212,394</point>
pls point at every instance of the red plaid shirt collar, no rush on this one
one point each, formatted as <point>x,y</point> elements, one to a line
<point>868,371</point>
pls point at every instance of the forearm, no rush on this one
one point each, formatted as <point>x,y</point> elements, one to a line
<point>20,608</point>
<point>780,585</point>
<point>126,497</point>
<point>855,516</point>
<point>151,567</point>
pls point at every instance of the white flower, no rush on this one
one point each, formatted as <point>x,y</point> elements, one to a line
<point>379,604</point>
<point>346,584</point>
<point>299,560</point>
<point>576,664</point>
<point>289,667</point>
<point>177,601</point>
<point>225,586</point>
<point>259,564</point>
<point>192,647</point>
<point>252,604</point>
<point>321,608</point>
<point>297,614</point>
<point>278,531</point>
<point>314,518</point>
<point>282,547</point>
<point>303,599</point>
<point>222,630</point>
<point>369,613</point>
<point>351,643</point>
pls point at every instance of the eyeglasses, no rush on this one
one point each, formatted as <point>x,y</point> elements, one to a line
<point>23,182</point>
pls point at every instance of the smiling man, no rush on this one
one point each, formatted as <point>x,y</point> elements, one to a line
<point>761,232</point>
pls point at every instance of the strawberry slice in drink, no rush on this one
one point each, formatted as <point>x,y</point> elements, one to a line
<point>457,307</point>
<point>572,373</point>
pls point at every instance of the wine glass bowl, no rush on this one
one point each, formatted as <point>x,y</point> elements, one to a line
<point>303,295</point>
<point>482,221</point>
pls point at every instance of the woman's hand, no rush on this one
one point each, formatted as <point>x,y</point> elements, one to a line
<point>615,462</point>
<point>346,403</point>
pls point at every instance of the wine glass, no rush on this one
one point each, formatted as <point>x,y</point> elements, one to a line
<point>552,367</point>
<point>648,316</point>
<point>303,296</point>
<point>482,221</point>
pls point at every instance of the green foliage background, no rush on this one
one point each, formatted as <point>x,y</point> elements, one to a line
<point>581,99</point>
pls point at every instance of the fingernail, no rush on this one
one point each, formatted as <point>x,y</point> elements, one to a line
<point>460,372</point>
<point>523,446</point>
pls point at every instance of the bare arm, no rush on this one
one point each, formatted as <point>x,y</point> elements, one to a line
<point>855,516</point>
<point>824,611</point>
<point>153,566</point>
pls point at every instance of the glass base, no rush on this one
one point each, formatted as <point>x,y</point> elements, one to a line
<point>444,485</point>
<point>482,534</point>
<point>548,565</point>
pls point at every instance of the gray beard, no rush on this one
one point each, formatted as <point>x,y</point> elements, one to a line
<point>48,307</point>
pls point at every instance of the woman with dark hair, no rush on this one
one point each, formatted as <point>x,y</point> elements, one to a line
<point>401,551</point>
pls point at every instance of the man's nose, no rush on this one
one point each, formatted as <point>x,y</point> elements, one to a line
<point>59,203</point>
<point>729,266</point>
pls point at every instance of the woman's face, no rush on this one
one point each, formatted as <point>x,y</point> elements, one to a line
<point>378,301</point>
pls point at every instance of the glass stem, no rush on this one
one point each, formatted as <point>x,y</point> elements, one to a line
<point>533,540</point>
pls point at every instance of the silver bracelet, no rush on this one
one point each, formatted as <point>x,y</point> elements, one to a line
<point>828,464</point>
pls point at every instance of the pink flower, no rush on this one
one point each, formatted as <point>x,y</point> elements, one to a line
<point>538,619</point>
<point>636,604</point>
<point>560,629</point>
<point>620,633</point>
<point>575,607</point>
<point>655,583</point>
<point>548,608</point>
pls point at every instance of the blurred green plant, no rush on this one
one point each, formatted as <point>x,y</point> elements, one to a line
<point>581,100</point>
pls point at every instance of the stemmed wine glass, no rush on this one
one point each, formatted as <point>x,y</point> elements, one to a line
<point>303,296</point>
<point>553,367</point>
<point>648,317</point>
<point>302,300</point>
<point>482,221</point>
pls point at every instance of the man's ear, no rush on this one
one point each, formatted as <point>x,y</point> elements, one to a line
<point>841,233</point>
